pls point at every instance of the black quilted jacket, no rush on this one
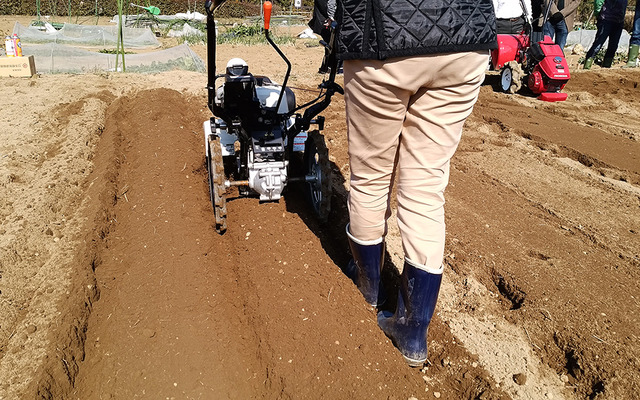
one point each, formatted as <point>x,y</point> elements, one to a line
<point>379,29</point>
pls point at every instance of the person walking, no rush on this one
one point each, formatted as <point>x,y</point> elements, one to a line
<point>410,82</point>
<point>560,22</point>
<point>511,16</point>
<point>610,15</point>
<point>634,41</point>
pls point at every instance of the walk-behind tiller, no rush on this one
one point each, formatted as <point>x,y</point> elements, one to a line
<point>257,132</point>
<point>533,59</point>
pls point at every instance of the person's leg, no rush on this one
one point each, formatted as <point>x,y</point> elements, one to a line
<point>375,107</point>
<point>614,39</point>
<point>561,34</point>
<point>326,36</point>
<point>408,326</point>
<point>365,267</point>
<point>601,36</point>
<point>635,34</point>
<point>431,134</point>
<point>634,42</point>
<point>632,57</point>
<point>548,30</point>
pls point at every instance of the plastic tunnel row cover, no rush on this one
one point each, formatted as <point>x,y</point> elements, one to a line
<point>88,35</point>
<point>55,58</point>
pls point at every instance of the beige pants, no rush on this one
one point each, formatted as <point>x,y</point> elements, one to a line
<point>405,115</point>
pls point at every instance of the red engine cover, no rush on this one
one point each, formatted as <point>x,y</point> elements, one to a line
<point>509,49</point>
<point>554,66</point>
<point>551,73</point>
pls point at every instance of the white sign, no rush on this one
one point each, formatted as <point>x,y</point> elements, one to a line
<point>298,3</point>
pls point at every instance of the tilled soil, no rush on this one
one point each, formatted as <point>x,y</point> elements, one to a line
<point>114,283</point>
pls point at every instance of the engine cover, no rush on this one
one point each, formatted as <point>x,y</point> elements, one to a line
<point>268,179</point>
<point>267,165</point>
<point>550,72</point>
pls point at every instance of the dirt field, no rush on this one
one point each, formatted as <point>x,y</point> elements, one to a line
<point>115,285</point>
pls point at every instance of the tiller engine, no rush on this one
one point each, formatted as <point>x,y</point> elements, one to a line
<point>258,132</point>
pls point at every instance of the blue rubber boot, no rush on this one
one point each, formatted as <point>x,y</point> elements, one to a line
<point>366,266</point>
<point>407,327</point>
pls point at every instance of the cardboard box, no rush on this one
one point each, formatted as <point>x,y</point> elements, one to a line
<point>17,66</point>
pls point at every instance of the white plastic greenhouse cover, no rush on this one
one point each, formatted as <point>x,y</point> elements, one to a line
<point>587,37</point>
<point>55,58</point>
<point>88,35</point>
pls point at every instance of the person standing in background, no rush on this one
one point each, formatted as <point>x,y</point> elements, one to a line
<point>610,15</point>
<point>510,15</point>
<point>634,42</point>
<point>560,21</point>
<point>324,12</point>
<point>412,74</point>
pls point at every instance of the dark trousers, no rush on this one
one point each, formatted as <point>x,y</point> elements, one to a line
<point>610,30</point>
<point>558,31</point>
<point>635,34</point>
<point>510,25</point>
